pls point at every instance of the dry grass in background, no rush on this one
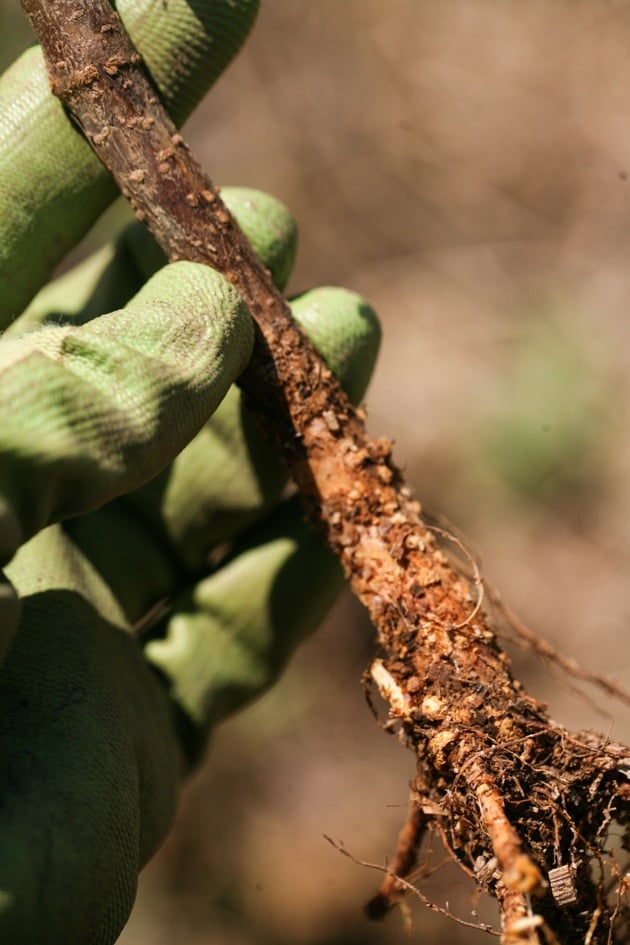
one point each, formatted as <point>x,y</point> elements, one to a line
<point>465,165</point>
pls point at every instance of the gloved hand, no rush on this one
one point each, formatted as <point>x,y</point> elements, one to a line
<point>155,599</point>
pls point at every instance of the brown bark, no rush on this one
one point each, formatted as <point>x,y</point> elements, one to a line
<point>508,785</point>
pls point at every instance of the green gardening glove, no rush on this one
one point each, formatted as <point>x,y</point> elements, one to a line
<point>163,581</point>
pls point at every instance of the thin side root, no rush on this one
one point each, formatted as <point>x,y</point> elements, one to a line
<point>405,858</point>
<point>520,873</point>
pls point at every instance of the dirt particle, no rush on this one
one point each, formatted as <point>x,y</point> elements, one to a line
<point>428,576</point>
<point>384,473</point>
<point>85,76</point>
<point>331,421</point>
<point>100,136</point>
<point>433,708</point>
<point>438,745</point>
<point>383,446</point>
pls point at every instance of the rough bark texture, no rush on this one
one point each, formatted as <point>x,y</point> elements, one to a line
<point>513,795</point>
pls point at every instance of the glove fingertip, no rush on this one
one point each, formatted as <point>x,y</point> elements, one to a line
<point>187,45</point>
<point>346,330</point>
<point>268,225</point>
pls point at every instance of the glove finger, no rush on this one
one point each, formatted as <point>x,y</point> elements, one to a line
<point>230,474</point>
<point>110,277</point>
<point>52,186</point>
<point>123,395</point>
<point>89,760</point>
<point>229,636</point>
<point>224,481</point>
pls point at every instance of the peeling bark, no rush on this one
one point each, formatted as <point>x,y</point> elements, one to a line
<point>508,785</point>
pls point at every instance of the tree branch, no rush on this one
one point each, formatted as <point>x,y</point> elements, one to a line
<point>497,771</point>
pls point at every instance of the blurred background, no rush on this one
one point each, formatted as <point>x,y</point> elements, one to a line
<point>466,166</point>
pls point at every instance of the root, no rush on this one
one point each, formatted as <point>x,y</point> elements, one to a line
<point>405,885</point>
<point>405,859</point>
<point>550,655</point>
<point>510,785</point>
<point>524,806</point>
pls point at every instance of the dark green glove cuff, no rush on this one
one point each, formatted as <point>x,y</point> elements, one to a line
<point>89,760</point>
